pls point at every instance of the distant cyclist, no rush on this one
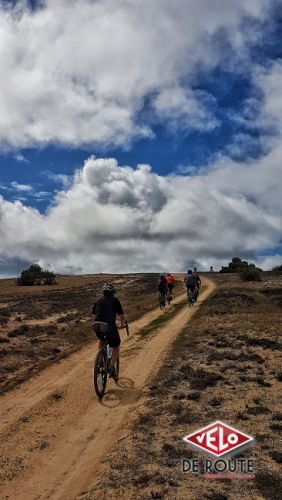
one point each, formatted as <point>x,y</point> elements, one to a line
<point>197,283</point>
<point>190,283</point>
<point>162,287</point>
<point>107,309</point>
<point>170,283</point>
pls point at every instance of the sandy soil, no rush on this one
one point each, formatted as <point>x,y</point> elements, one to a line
<point>225,364</point>
<point>54,431</point>
<point>39,326</point>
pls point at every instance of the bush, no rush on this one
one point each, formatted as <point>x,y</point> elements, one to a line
<point>277,269</point>
<point>251,274</point>
<point>35,275</point>
<point>239,266</point>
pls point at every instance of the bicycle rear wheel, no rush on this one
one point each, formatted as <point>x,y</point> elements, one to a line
<point>100,373</point>
<point>190,297</point>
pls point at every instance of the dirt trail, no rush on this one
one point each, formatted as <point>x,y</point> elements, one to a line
<point>54,431</point>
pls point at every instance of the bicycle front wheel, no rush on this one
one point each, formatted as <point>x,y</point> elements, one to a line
<point>100,373</point>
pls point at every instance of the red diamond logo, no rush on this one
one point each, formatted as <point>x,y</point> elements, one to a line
<point>218,439</point>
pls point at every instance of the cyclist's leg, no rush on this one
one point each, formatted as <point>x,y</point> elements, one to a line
<point>115,355</point>
<point>114,343</point>
<point>101,344</point>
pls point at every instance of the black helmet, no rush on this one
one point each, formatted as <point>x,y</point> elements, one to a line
<point>108,287</point>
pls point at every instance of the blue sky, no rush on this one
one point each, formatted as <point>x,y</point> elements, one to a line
<point>190,103</point>
<point>166,151</point>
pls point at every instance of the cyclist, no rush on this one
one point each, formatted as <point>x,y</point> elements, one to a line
<point>190,282</point>
<point>162,286</point>
<point>106,309</point>
<point>197,283</point>
<point>170,283</point>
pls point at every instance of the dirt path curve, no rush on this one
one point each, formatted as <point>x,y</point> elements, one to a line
<point>53,430</point>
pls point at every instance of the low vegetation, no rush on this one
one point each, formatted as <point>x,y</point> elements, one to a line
<point>35,275</point>
<point>40,325</point>
<point>238,266</point>
<point>224,365</point>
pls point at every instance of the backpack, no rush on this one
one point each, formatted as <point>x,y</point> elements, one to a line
<point>190,280</point>
<point>162,284</point>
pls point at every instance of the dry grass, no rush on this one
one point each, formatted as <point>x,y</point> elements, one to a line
<point>225,365</point>
<point>42,324</point>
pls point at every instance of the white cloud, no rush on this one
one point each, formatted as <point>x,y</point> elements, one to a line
<point>269,81</point>
<point>20,158</point>
<point>64,180</point>
<point>119,219</point>
<point>79,72</point>
<point>21,187</point>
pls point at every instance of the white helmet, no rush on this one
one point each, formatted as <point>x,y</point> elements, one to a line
<point>108,287</point>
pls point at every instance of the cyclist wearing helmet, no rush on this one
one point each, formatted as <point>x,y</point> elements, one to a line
<point>106,309</point>
<point>170,283</point>
<point>162,284</point>
<point>190,282</point>
<point>197,282</point>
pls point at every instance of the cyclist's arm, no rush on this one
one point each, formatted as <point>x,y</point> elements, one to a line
<point>120,314</point>
<point>94,315</point>
<point>121,319</point>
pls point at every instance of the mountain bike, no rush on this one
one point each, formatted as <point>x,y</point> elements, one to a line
<point>162,299</point>
<point>169,295</point>
<point>102,365</point>
<point>190,296</point>
<point>196,294</point>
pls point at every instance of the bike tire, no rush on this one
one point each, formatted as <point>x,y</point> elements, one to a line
<point>189,298</point>
<point>161,300</point>
<point>100,373</point>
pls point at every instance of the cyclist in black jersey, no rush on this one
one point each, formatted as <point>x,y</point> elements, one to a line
<point>106,310</point>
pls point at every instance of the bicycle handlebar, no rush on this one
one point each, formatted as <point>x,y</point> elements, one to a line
<point>127,328</point>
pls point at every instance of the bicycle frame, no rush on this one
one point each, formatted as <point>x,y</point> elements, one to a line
<point>162,299</point>
<point>190,296</point>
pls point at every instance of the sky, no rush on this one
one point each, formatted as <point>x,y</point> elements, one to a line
<point>140,135</point>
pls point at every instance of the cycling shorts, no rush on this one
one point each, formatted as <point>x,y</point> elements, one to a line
<point>112,336</point>
<point>190,287</point>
